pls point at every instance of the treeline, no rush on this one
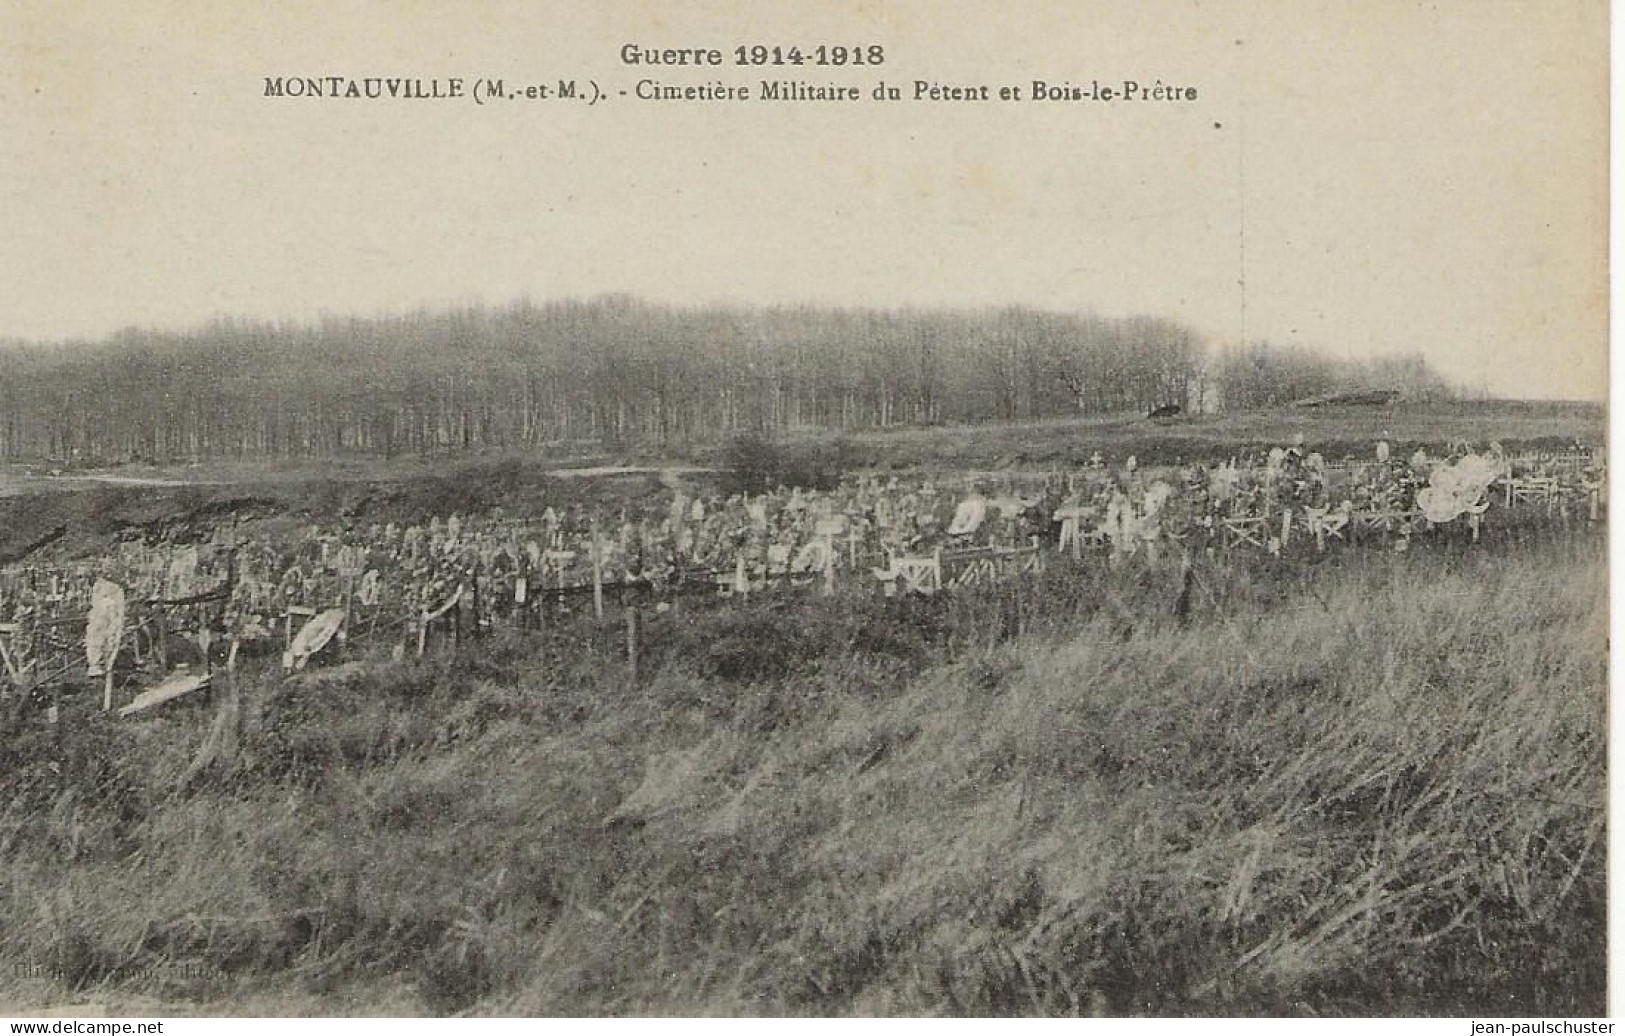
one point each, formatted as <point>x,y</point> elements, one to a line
<point>1263,375</point>
<point>616,370</point>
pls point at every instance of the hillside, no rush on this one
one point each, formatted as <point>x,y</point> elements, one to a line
<point>1375,786</point>
<point>80,513</point>
<point>1338,432</point>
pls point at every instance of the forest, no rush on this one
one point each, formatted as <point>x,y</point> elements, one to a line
<point>619,370</point>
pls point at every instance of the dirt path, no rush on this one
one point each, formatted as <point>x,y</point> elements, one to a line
<point>667,474</point>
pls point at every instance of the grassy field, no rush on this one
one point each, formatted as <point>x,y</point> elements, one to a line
<point>1336,432</point>
<point>1373,784</point>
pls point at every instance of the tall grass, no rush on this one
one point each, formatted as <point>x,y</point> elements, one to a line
<point>1375,786</point>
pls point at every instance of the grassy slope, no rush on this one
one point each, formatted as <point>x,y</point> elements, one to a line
<point>1374,787</point>
<point>78,523</point>
<point>1335,431</point>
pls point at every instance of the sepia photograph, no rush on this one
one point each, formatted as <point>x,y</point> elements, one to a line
<point>518,509</point>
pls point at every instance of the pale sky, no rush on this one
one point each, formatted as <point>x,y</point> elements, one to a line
<point>1405,176</point>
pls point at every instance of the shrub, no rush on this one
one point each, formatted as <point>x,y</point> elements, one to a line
<point>753,463</point>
